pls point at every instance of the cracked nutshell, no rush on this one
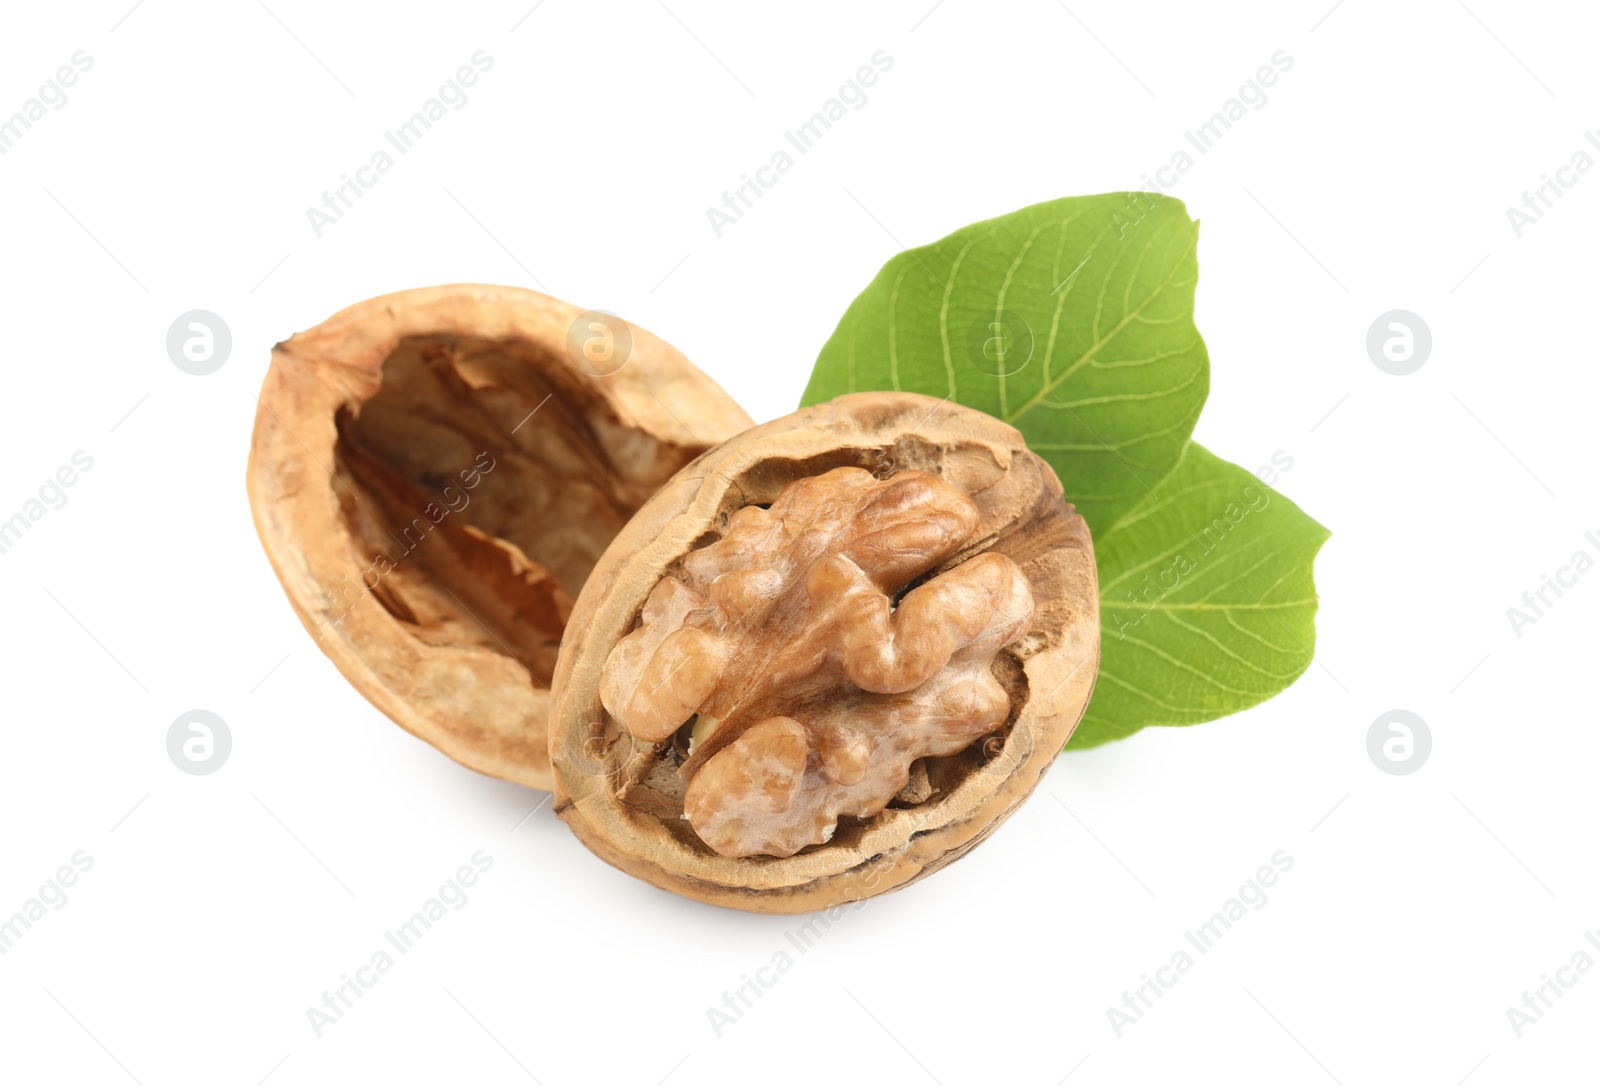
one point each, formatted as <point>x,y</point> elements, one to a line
<point>776,668</point>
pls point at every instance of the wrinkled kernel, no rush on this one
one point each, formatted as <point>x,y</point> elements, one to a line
<point>814,691</point>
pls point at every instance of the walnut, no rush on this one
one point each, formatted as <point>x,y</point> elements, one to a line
<point>788,615</point>
<point>827,658</point>
<point>434,473</point>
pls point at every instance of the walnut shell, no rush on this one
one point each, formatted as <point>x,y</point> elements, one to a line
<point>827,658</point>
<point>434,474</point>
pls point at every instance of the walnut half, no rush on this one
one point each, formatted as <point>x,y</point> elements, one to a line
<point>775,690</point>
<point>434,473</point>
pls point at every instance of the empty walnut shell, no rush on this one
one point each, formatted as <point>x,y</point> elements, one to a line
<point>434,474</point>
<point>827,658</point>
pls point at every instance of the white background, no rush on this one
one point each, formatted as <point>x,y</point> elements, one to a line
<point>1377,176</point>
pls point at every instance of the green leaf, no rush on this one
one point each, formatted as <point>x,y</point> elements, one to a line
<point>1096,358</point>
<point>1207,604</point>
<point>1074,321</point>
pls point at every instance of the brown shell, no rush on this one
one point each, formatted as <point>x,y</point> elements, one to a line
<point>623,795</point>
<point>434,473</point>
